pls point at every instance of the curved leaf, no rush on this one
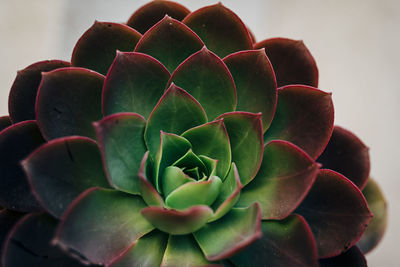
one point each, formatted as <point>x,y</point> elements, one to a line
<point>16,143</point>
<point>206,77</point>
<point>96,48</point>
<point>63,168</point>
<point>337,217</point>
<point>353,257</point>
<point>147,190</point>
<point>149,14</point>
<point>8,219</point>
<point>304,117</point>
<point>129,77</point>
<point>255,83</point>
<point>246,138</point>
<point>377,226</point>
<point>62,103</point>
<point>122,145</point>
<point>211,140</point>
<point>285,177</point>
<point>226,236</point>
<point>101,224</point>
<point>175,112</point>
<point>22,98</point>
<point>347,154</point>
<point>288,242</point>
<point>169,41</point>
<point>220,29</point>
<point>173,178</point>
<point>178,222</point>
<point>4,122</point>
<point>292,62</point>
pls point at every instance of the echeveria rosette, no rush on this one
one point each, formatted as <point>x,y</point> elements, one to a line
<point>196,158</point>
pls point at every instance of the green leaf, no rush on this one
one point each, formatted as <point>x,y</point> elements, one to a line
<point>169,41</point>
<point>177,222</point>
<point>190,161</point>
<point>175,112</point>
<point>236,230</point>
<point>96,48</point>
<point>194,193</point>
<point>255,83</point>
<point>205,76</point>
<point>148,251</point>
<point>147,190</point>
<point>246,138</point>
<point>129,77</point>
<point>61,169</point>
<point>173,178</point>
<point>211,140</point>
<point>285,177</point>
<point>221,30</point>
<point>101,224</point>
<point>288,242</point>
<point>122,145</point>
<point>62,102</point>
<point>211,164</point>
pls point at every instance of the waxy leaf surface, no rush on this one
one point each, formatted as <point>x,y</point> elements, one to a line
<point>169,41</point>
<point>288,242</point>
<point>304,117</point>
<point>147,190</point>
<point>255,83</point>
<point>352,258</point>
<point>101,224</point>
<point>285,177</point>
<point>22,98</point>
<point>205,76</point>
<point>16,143</point>
<point>134,83</point>
<point>347,154</point>
<point>63,168</point>
<point>62,106</point>
<point>337,217</point>
<point>220,29</point>
<point>97,47</point>
<point>151,13</point>
<point>292,62</point>
<point>122,145</point>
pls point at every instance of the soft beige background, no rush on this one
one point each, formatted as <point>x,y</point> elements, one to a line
<point>355,44</point>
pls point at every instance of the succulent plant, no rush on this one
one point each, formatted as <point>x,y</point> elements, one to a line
<point>166,141</point>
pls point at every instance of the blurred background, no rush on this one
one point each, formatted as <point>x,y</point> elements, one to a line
<point>355,43</point>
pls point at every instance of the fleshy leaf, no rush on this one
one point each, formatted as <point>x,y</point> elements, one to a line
<point>292,62</point>
<point>288,242</point>
<point>122,145</point>
<point>169,41</point>
<point>304,117</point>
<point>195,193</point>
<point>351,258</point>
<point>255,83</point>
<point>285,177</point>
<point>172,147</point>
<point>173,178</point>
<point>211,164</point>
<point>205,76</point>
<point>211,140</point>
<point>220,29</point>
<point>8,219</point>
<point>148,251</point>
<point>62,106</point>
<point>175,112</point>
<point>347,154</point>
<point>225,237</point>
<point>377,226</point>
<point>147,190</point>
<point>29,244</point>
<point>96,48</point>
<point>191,161</point>
<point>134,84</point>
<point>229,194</point>
<point>61,169</point>
<point>4,122</point>
<point>183,251</point>
<point>178,222</point>
<point>151,13</point>
<point>16,143</point>
<point>22,98</point>
<point>337,217</point>
<point>246,138</point>
<point>101,224</point>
